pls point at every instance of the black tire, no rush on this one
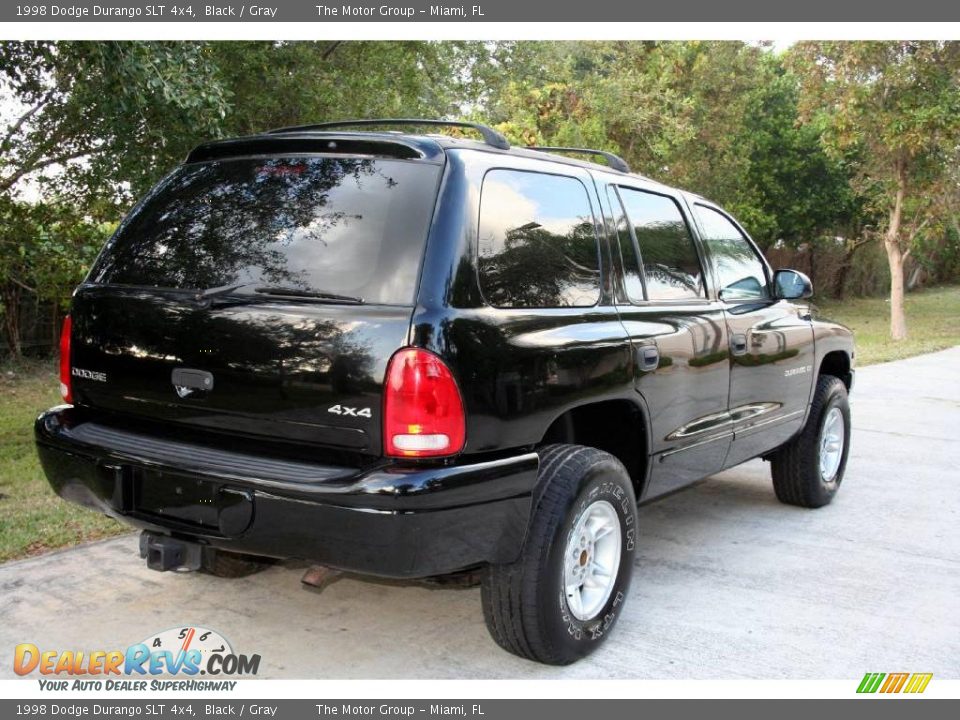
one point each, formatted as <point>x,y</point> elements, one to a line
<point>224,564</point>
<point>796,466</point>
<point>524,603</point>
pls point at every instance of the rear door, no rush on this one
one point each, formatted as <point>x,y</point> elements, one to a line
<point>528,326</point>
<point>771,341</point>
<point>678,334</point>
<point>258,297</point>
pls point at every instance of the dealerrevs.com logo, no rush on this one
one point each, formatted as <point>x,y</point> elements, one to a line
<point>184,651</point>
<point>891,683</point>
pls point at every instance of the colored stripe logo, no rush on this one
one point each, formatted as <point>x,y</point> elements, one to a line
<point>894,682</point>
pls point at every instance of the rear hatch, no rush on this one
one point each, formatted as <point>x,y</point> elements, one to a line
<point>258,297</point>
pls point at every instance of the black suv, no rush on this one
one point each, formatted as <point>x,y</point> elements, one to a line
<point>423,356</point>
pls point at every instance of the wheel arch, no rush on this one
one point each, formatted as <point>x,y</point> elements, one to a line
<point>612,425</point>
<point>839,364</point>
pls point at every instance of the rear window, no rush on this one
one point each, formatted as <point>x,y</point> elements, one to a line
<point>347,226</point>
<point>538,244</point>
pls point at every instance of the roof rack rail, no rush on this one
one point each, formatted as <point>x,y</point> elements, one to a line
<point>490,136</point>
<point>614,161</point>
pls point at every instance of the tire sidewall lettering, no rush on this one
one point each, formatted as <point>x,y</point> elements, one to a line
<point>613,492</point>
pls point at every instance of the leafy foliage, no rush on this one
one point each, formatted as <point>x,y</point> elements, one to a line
<point>718,118</point>
<point>896,105</point>
<point>276,84</point>
<point>45,251</point>
<point>113,115</point>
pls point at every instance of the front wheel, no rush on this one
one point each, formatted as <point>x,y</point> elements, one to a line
<point>808,470</point>
<point>560,599</point>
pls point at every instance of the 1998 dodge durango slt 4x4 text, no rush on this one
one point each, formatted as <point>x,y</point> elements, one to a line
<point>418,356</point>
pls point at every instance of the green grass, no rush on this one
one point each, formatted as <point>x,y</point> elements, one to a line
<point>933,323</point>
<point>32,518</point>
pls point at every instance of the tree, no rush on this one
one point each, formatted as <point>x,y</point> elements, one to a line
<point>93,125</point>
<point>44,252</point>
<point>311,82</point>
<point>799,192</point>
<point>717,118</point>
<point>15,223</point>
<point>615,96</point>
<point>107,116</point>
<point>897,106</point>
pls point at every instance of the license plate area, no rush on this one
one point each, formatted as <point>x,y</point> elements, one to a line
<point>178,499</point>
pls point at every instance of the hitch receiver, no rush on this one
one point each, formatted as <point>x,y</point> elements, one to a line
<point>166,553</point>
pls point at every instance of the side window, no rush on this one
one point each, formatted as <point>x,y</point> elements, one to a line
<point>538,245</point>
<point>671,267</point>
<point>741,275</point>
<point>632,282</point>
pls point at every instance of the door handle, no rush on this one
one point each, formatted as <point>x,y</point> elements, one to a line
<point>738,344</point>
<point>648,357</point>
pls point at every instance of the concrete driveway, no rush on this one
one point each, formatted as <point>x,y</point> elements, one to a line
<point>729,583</point>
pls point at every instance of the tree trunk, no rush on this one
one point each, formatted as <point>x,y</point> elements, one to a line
<point>813,263</point>
<point>895,257</point>
<point>840,279</point>
<point>916,277</point>
<point>898,318</point>
<point>11,319</point>
<point>54,325</point>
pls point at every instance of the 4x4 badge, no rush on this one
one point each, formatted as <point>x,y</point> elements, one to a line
<point>351,411</point>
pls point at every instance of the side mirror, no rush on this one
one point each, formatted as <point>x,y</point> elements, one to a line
<point>791,285</point>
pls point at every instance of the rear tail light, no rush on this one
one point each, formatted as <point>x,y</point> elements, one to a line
<point>422,409</point>
<point>66,387</point>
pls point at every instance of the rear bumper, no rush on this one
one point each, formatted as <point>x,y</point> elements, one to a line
<point>391,521</point>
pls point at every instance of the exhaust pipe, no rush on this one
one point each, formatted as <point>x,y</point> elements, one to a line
<point>319,576</point>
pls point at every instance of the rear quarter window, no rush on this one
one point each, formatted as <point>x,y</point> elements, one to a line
<point>537,241</point>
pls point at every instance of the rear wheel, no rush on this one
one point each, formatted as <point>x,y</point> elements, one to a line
<point>808,470</point>
<point>560,599</point>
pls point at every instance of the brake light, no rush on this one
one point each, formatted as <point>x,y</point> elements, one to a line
<point>422,409</point>
<point>66,387</point>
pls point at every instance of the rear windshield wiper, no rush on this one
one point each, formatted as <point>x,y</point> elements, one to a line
<point>222,291</point>
<point>306,293</point>
<point>275,290</point>
<point>217,291</point>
